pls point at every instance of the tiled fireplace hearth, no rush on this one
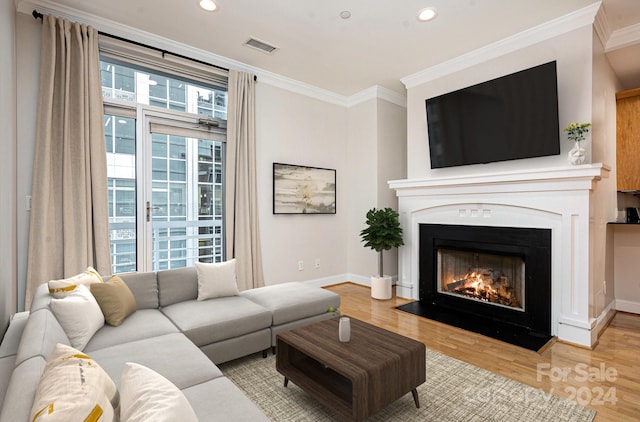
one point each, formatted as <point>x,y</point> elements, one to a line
<point>557,199</point>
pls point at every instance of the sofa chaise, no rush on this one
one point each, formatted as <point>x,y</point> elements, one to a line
<point>171,333</point>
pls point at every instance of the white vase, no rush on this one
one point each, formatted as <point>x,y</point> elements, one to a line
<point>577,155</point>
<point>344,329</point>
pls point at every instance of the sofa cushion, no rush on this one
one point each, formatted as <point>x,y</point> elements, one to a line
<point>22,390</point>
<point>115,299</point>
<point>41,298</point>
<point>177,285</point>
<point>217,279</point>
<point>144,287</point>
<point>79,315</point>
<point>218,319</point>
<point>146,395</point>
<point>142,324</point>
<point>12,336</point>
<point>293,301</point>
<point>221,397</point>
<point>61,288</point>
<point>172,355</point>
<point>73,387</point>
<point>41,333</point>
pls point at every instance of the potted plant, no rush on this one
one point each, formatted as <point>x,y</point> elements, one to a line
<point>576,133</point>
<point>382,233</point>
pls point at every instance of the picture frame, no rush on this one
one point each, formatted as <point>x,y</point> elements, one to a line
<point>301,189</point>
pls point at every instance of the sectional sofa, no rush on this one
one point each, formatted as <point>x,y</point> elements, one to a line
<point>170,332</point>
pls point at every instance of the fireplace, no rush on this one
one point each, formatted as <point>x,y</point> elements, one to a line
<point>567,201</point>
<point>493,280</point>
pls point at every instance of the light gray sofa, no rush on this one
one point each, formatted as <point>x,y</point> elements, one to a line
<point>170,332</point>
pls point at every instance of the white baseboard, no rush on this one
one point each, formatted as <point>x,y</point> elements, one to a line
<point>627,306</point>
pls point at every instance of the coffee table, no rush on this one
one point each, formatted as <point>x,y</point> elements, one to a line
<point>354,379</point>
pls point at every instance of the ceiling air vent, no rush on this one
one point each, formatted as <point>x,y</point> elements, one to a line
<point>260,45</point>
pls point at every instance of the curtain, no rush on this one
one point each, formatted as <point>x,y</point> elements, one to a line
<point>69,226</point>
<point>241,198</point>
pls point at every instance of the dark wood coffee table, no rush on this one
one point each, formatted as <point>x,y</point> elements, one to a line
<point>355,379</point>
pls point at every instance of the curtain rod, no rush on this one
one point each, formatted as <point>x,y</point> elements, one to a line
<point>38,15</point>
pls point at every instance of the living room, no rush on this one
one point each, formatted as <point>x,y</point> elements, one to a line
<point>362,135</point>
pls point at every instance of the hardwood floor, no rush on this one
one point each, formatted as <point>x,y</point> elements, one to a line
<point>606,379</point>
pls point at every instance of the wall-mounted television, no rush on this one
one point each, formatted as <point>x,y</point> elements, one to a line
<point>508,118</point>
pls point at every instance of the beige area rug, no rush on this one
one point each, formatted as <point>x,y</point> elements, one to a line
<point>454,391</point>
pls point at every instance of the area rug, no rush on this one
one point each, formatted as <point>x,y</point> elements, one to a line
<point>454,391</point>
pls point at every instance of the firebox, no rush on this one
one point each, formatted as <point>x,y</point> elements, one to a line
<point>493,280</point>
<point>496,279</point>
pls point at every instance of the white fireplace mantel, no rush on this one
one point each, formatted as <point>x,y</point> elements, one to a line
<point>557,198</point>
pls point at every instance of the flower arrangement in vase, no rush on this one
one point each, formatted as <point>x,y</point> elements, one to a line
<point>576,132</point>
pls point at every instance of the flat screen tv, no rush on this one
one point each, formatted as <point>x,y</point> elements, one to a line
<point>508,118</point>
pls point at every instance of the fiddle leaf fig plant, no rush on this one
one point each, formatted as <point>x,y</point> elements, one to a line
<point>382,233</point>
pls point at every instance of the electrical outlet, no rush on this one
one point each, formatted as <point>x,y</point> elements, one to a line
<point>300,265</point>
<point>317,262</point>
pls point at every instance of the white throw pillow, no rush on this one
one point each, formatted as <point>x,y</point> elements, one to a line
<point>146,396</point>
<point>61,288</point>
<point>217,280</point>
<point>73,387</point>
<point>79,315</point>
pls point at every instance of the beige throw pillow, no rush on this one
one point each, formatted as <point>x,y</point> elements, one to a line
<point>73,387</point>
<point>79,315</point>
<point>216,280</point>
<point>115,299</point>
<point>61,288</point>
<point>148,396</point>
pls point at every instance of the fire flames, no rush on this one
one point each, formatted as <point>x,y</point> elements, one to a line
<point>483,287</point>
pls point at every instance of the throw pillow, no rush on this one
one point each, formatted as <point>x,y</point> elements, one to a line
<point>115,299</point>
<point>217,280</point>
<point>148,396</point>
<point>73,387</point>
<point>61,288</point>
<point>79,315</point>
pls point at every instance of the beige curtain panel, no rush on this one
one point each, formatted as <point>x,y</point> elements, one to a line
<point>241,199</point>
<point>69,227</point>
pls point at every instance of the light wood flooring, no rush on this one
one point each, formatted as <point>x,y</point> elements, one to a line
<point>594,378</point>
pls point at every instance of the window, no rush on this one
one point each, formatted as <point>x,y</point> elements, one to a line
<point>165,174</point>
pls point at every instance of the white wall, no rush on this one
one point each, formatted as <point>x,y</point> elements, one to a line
<point>392,163</point>
<point>377,154</point>
<point>28,32</point>
<point>605,85</point>
<point>7,163</point>
<point>362,155</point>
<point>572,51</point>
<point>627,278</point>
<point>295,129</point>
<point>586,93</point>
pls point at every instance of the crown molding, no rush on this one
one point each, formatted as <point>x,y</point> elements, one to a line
<point>378,92</point>
<point>623,37</point>
<point>601,26</point>
<point>133,34</point>
<point>531,36</point>
<point>264,76</point>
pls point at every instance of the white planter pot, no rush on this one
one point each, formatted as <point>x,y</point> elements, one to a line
<point>381,287</point>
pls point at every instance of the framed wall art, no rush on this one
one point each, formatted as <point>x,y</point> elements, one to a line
<point>303,190</point>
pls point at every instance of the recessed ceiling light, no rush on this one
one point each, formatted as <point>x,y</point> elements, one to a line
<point>427,14</point>
<point>208,5</point>
<point>345,14</point>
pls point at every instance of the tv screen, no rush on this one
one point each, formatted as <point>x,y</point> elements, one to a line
<point>508,118</point>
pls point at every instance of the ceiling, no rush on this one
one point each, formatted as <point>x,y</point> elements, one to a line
<point>379,44</point>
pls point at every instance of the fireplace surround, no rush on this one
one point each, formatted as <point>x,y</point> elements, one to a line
<point>560,200</point>
<point>498,275</point>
